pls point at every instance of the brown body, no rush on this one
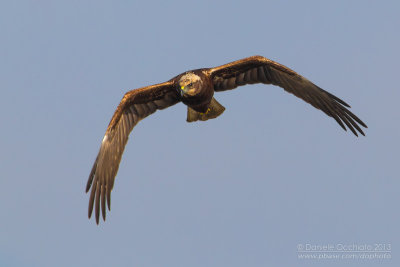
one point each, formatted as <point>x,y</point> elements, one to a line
<point>196,90</point>
<point>203,94</point>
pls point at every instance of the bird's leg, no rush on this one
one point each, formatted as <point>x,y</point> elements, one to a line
<point>205,112</point>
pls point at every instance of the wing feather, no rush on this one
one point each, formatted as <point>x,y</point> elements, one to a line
<point>258,69</point>
<point>134,106</point>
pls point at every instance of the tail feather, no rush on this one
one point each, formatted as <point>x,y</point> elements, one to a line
<point>214,110</point>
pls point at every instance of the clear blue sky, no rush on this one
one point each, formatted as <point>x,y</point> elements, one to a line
<point>241,190</point>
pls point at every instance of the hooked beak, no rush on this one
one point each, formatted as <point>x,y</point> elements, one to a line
<point>183,90</point>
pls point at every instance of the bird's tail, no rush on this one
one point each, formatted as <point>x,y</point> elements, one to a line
<point>214,110</point>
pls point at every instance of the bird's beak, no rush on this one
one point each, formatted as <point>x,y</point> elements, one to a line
<point>182,91</point>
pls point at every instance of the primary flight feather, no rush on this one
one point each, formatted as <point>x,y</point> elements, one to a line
<point>196,89</point>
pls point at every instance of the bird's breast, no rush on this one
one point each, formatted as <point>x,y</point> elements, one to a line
<point>201,100</point>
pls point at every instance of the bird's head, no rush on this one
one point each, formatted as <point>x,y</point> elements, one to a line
<point>189,84</point>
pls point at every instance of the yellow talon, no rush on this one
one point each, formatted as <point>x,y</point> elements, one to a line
<point>205,112</point>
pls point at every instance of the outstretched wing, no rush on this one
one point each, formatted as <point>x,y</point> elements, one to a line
<point>258,69</point>
<point>135,105</point>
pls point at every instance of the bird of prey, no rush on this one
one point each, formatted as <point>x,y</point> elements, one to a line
<point>196,89</point>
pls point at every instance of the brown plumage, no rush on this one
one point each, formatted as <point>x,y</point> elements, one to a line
<point>196,89</point>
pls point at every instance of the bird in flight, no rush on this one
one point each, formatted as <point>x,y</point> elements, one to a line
<point>196,89</point>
